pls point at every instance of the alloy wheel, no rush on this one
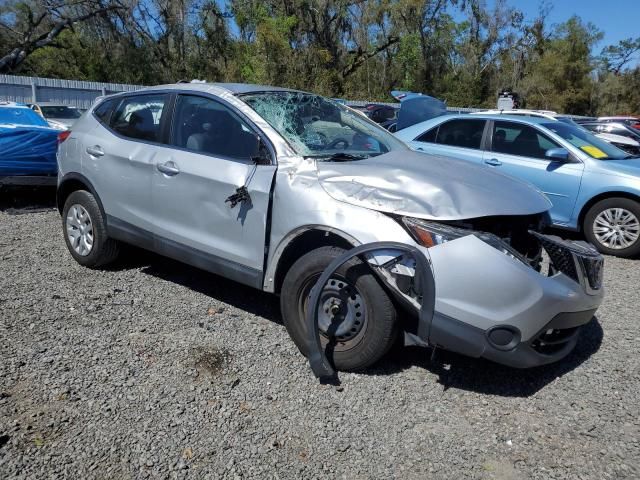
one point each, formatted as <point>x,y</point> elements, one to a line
<point>79,230</point>
<point>616,228</point>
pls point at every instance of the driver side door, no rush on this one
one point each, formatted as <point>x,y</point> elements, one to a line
<point>518,149</point>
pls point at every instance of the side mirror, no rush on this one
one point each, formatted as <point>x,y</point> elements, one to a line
<point>259,152</point>
<point>557,154</point>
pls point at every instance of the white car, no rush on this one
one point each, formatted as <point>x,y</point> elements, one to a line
<point>548,114</point>
<point>58,115</point>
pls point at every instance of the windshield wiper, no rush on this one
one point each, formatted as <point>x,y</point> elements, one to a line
<point>339,157</point>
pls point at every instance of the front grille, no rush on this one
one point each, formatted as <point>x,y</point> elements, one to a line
<point>561,258</point>
<point>577,260</point>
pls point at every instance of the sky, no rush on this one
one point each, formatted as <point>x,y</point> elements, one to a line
<point>617,19</point>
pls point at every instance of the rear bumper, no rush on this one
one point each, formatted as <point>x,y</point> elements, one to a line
<point>502,343</point>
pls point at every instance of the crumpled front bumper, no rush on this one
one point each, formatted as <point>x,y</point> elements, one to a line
<point>491,305</point>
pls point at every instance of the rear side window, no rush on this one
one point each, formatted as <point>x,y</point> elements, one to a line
<point>429,136</point>
<point>139,117</point>
<point>103,111</point>
<point>206,126</point>
<point>520,139</point>
<point>461,133</point>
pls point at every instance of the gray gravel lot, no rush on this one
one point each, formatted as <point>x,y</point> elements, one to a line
<point>152,369</point>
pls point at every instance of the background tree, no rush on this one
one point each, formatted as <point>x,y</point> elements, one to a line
<point>462,51</point>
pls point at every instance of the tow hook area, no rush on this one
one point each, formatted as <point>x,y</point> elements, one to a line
<point>321,365</point>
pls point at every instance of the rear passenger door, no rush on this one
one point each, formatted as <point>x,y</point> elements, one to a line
<point>518,149</point>
<point>457,138</point>
<point>212,146</point>
<point>119,157</point>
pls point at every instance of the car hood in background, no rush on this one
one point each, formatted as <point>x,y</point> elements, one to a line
<point>626,167</point>
<point>428,187</point>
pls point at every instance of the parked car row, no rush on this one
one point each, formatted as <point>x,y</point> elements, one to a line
<point>594,187</point>
<point>268,186</point>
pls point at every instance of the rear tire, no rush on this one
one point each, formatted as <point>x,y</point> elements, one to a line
<point>361,324</point>
<point>613,226</point>
<point>85,232</point>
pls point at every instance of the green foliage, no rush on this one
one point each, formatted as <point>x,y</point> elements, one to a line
<point>459,50</point>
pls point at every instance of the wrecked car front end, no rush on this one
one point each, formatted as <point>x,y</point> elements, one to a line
<point>503,291</point>
<point>522,306</point>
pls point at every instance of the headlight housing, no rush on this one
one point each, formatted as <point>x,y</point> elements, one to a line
<point>429,234</point>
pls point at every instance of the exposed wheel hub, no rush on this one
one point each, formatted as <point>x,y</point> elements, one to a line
<point>341,313</point>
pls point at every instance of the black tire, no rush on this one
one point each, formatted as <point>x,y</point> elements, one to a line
<point>378,329</point>
<point>631,206</point>
<point>104,249</point>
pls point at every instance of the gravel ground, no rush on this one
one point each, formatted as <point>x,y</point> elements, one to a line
<point>152,369</point>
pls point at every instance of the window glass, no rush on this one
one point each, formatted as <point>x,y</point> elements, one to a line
<point>139,117</point>
<point>585,141</point>
<point>60,111</point>
<point>204,125</point>
<point>619,131</point>
<point>520,139</point>
<point>103,111</point>
<point>461,133</point>
<point>429,137</point>
<point>321,128</point>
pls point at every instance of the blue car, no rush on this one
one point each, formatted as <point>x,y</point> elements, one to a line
<point>594,186</point>
<point>27,147</point>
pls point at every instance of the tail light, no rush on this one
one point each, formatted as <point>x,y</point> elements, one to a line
<point>62,136</point>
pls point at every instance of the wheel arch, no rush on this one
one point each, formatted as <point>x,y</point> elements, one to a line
<point>298,243</point>
<point>602,196</point>
<point>73,182</point>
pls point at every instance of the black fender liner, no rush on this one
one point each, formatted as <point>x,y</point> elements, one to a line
<point>318,361</point>
<point>78,177</point>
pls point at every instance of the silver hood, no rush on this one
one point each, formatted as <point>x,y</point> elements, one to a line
<point>429,187</point>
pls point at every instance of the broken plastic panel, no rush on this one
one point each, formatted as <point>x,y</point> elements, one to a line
<point>410,278</point>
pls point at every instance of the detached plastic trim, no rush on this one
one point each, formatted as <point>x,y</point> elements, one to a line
<point>320,365</point>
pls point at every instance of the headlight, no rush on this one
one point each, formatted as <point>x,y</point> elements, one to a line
<point>429,234</point>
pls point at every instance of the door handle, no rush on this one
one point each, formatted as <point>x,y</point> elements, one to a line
<point>494,162</point>
<point>95,151</point>
<point>168,168</point>
<point>420,149</point>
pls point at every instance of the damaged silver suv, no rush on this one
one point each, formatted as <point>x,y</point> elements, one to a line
<point>266,186</point>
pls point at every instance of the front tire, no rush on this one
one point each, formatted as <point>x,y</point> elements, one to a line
<point>613,226</point>
<point>355,313</point>
<point>85,232</point>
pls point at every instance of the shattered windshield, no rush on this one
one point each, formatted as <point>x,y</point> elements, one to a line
<point>321,128</point>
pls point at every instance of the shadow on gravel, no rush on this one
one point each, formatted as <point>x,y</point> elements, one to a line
<point>254,301</point>
<point>21,200</point>
<point>483,376</point>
